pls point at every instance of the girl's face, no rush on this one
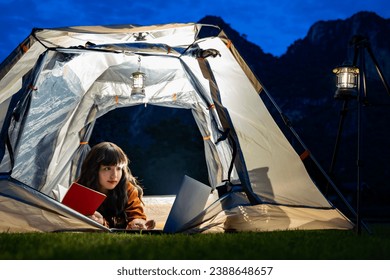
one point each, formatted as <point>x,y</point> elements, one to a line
<point>109,177</point>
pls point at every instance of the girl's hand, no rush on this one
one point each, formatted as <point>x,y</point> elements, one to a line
<point>97,217</point>
<point>141,224</point>
<point>136,224</point>
<point>150,224</point>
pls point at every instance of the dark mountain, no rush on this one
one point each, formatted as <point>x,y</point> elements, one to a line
<point>301,82</point>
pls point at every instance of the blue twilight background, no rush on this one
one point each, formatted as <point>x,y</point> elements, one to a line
<point>271,24</point>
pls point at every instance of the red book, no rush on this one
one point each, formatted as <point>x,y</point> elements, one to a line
<point>83,199</point>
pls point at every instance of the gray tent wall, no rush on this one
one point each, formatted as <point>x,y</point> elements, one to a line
<point>24,209</point>
<point>51,95</point>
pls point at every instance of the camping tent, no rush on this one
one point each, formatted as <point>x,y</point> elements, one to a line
<point>57,82</point>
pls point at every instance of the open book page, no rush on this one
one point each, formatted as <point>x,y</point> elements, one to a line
<point>59,192</point>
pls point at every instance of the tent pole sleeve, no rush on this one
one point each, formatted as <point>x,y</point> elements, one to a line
<point>228,126</point>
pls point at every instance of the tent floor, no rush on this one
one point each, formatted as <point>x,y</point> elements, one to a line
<point>157,208</point>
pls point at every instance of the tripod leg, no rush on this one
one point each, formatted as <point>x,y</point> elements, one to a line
<point>378,69</point>
<point>343,113</point>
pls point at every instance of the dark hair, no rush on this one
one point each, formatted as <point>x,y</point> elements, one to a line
<point>107,153</point>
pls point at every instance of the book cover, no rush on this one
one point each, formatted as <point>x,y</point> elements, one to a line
<point>83,199</point>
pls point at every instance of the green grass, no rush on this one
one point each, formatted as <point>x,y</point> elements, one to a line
<point>281,245</point>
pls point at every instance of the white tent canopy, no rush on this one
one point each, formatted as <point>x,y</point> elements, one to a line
<point>58,81</point>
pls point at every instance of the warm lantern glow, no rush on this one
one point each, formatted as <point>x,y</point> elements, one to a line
<point>138,86</point>
<point>138,78</point>
<point>347,81</point>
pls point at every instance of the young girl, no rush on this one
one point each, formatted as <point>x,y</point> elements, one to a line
<point>105,169</point>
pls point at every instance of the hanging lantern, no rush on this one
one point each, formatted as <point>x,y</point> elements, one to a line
<point>138,78</point>
<point>138,86</point>
<point>346,81</point>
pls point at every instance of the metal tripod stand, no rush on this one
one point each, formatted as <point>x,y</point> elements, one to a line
<point>361,44</point>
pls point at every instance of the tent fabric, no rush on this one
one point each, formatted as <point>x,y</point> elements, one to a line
<point>233,213</point>
<point>23,209</point>
<point>236,215</point>
<point>59,81</point>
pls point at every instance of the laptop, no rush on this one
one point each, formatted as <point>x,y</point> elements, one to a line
<point>188,204</point>
<point>190,201</point>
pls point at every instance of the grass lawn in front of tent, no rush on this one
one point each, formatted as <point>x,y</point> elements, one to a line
<point>278,245</point>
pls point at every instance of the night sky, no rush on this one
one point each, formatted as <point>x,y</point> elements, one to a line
<point>271,24</point>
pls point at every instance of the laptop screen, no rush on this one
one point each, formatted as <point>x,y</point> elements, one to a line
<point>190,201</point>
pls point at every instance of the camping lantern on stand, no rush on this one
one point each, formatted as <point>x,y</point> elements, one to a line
<point>347,77</point>
<point>351,84</point>
<point>138,78</point>
<point>347,81</point>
